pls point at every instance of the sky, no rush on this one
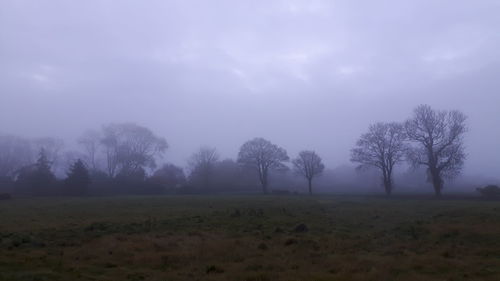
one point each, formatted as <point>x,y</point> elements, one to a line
<point>305,74</point>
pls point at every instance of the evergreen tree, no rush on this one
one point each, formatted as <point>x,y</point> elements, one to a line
<point>78,179</point>
<point>41,179</point>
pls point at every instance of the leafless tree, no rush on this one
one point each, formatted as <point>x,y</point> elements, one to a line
<point>383,146</point>
<point>15,152</point>
<point>262,155</point>
<point>91,143</point>
<point>439,145</point>
<point>129,147</point>
<point>110,143</point>
<point>309,165</point>
<point>202,165</point>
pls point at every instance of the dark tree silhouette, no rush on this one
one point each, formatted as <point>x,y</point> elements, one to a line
<point>309,165</point>
<point>169,176</point>
<point>228,175</point>
<point>489,191</point>
<point>262,155</point>
<point>52,148</point>
<point>383,146</point>
<point>38,178</point>
<point>438,138</point>
<point>78,179</point>
<point>43,174</point>
<point>130,148</point>
<point>91,142</point>
<point>202,164</point>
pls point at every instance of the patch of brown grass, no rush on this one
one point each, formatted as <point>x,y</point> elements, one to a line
<point>372,240</point>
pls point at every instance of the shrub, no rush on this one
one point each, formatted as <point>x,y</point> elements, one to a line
<point>490,191</point>
<point>78,179</point>
<point>5,196</point>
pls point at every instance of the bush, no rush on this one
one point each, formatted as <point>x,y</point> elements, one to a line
<point>5,196</point>
<point>490,191</point>
<point>78,179</point>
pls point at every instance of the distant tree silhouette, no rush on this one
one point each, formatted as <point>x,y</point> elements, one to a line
<point>383,146</point>
<point>439,145</point>
<point>262,155</point>
<point>131,148</point>
<point>78,179</point>
<point>169,176</point>
<point>37,179</point>
<point>91,143</point>
<point>230,176</point>
<point>309,165</point>
<point>135,175</point>
<point>52,148</point>
<point>202,165</point>
<point>15,153</point>
<point>489,191</point>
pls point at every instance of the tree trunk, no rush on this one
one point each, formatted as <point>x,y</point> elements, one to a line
<point>438,192</point>
<point>437,182</point>
<point>263,181</point>
<point>388,186</point>
<point>387,182</point>
<point>264,187</point>
<point>309,181</point>
<point>438,186</point>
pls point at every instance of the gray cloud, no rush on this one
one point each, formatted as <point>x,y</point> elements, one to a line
<point>305,74</point>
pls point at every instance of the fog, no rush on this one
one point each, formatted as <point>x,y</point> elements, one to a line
<point>303,74</point>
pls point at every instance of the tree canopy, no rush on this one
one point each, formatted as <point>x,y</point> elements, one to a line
<point>262,155</point>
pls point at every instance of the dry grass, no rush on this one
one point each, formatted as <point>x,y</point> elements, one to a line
<point>249,238</point>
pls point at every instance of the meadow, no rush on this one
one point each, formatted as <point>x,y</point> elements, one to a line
<point>249,238</point>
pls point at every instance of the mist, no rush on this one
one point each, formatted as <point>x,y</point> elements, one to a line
<point>249,140</point>
<point>302,74</point>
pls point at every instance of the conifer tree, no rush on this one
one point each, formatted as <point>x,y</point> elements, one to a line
<point>78,179</point>
<point>41,179</point>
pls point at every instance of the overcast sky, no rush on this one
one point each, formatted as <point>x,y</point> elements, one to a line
<point>303,74</point>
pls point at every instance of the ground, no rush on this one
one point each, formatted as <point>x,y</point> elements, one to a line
<point>249,238</point>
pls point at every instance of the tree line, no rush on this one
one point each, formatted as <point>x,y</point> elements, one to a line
<point>430,138</point>
<point>123,158</point>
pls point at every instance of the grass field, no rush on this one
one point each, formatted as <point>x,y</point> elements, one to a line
<point>249,238</point>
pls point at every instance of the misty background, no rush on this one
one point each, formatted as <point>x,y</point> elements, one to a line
<point>303,74</point>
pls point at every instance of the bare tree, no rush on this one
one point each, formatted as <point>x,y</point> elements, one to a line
<point>110,143</point>
<point>202,164</point>
<point>15,153</point>
<point>309,165</point>
<point>383,146</point>
<point>91,142</point>
<point>262,155</point>
<point>130,148</point>
<point>439,145</point>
